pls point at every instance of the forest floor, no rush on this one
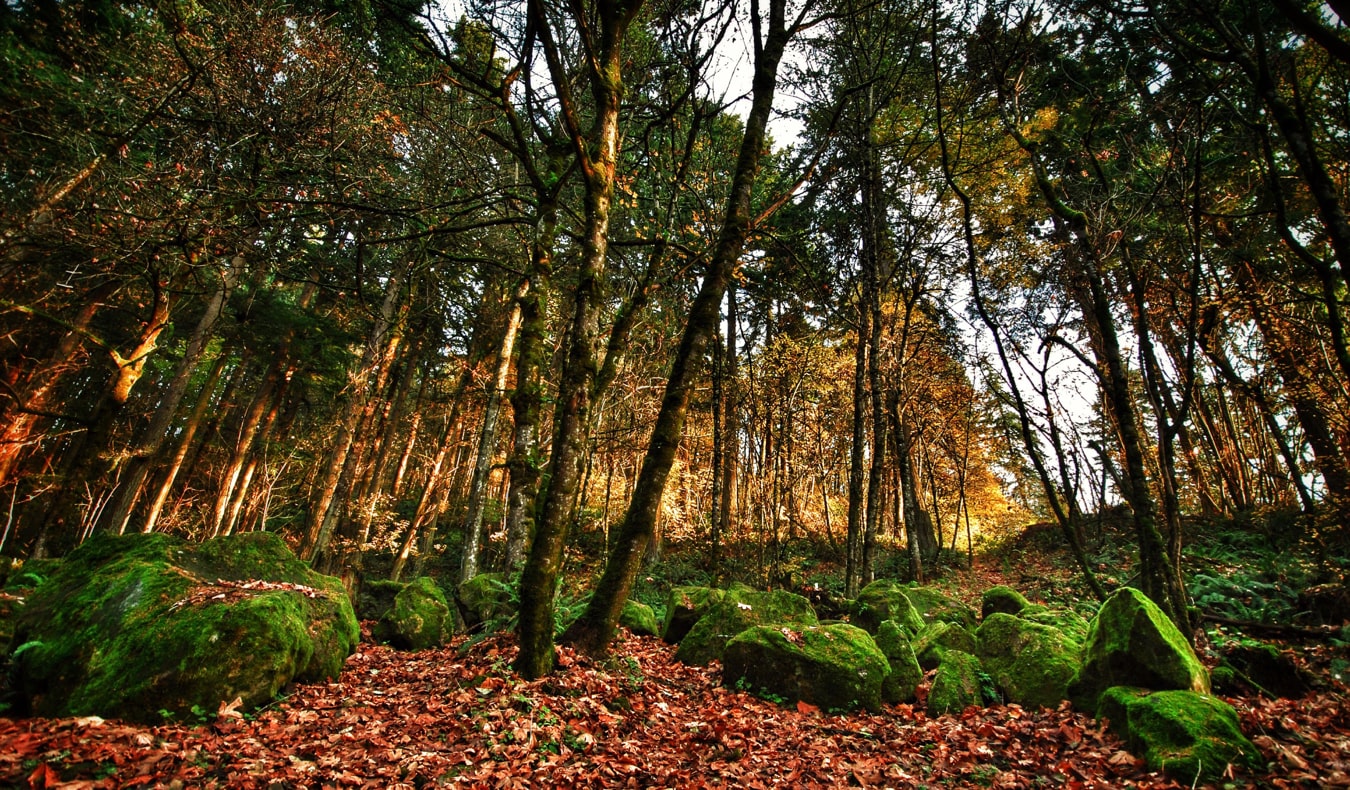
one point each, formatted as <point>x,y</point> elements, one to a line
<point>458,716</point>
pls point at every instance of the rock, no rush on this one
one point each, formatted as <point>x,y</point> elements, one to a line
<point>1030,663</point>
<point>1266,667</point>
<point>940,637</point>
<point>1068,622</point>
<point>375,598</point>
<point>906,674</point>
<point>1132,643</point>
<point>934,607</point>
<point>419,618</point>
<point>882,600</point>
<point>639,618</point>
<point>684,608</point>
<point>836,667</point>
<point>737,612</point>
<point>1002,599</point>
<point>1192,737</point>
<point>131,626</point>
<point>956,685</point>
<point>486,598</point>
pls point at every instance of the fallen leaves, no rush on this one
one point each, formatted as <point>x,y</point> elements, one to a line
<point>403,720</point>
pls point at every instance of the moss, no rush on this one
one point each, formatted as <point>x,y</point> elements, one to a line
<point>376,597</point>
<point>837,667</point>
<point>1192,737</point>
<point>933,607</point>
<point>485,597</point>
<point>906,674</point>
<point>1068,622</point>
<point>639,618</point>
<point>1132,643</point>
<point>685,606</point>
<point>883,600</point>
<point>1002,599</point>
<point>1030,663</point>
<point>956,685</point>
<point>939,638</point>
<point>419,618</point>
<point>738,612</point>
<point>119,632</point>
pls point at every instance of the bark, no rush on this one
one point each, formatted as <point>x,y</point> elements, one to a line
<point>857,460</point>
<point>731,432</point>
<point>190,428</point>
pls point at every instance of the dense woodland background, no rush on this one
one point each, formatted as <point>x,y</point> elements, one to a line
<point>536,285</point>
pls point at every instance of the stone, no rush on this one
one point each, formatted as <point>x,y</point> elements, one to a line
<point>684,608</point>
<point>1030,663</point>
<point>935,607</point>
<point>737,612</point>
<point>835,667</point>
<point>940,637</point>
<point>1266,668</point>
<point>145,626</point>
<point>956,685</point>
<point>374,598</point>
<point>486,598</point>
<point>882,600</point>
<point>1192,737</point>
<point>639,618</point>
<point>1002,599</point>
<point>1132,643</point>
<point>419,619</point>
<point>906,674</point>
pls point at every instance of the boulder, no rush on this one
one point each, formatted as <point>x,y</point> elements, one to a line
<point>1132,643</point>
<point>375,598</point>
<point>1192,737</point>
<point>1262,667</point>
<point>935,607</point>
<point>487,597</point>
<point>737,612</point>
<point>684,608</point>
<point>1030,663</point>
<point>143,626</point>
<point>1068,622</point>
<point>419,619</point>
<point>1002,599</point>
<point>940,637</point>
<point>906,674</point>
<point>883,600</point>
<point>639,618</point>
<point>956,685</point>
<point>836,667</point>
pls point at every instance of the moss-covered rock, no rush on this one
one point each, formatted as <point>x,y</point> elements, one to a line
<point>1193,737</point>
<point>906,674</point>
<point>1263,667</point>
<point>684,608</point>
<point>1030,663</point>
<point>1132,643</point>
<point>375,598</point>
<point>419,619</point>
<point>131,626</point>
<point>485,597</point>
<point>936,607</point>
<point>883,600</point>
<point>639,618</point>
<point>940,637</point>
<point>738,612</point>
<point>956,685</point>
<point>1002,599</point>
<point>1068,622</point>
<point>837,667</point>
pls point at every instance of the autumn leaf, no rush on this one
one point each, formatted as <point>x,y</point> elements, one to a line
<point>807,708</point>
<point>230,710</point>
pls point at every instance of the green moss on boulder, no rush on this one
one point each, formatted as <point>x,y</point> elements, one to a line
<point>738,612</point>
<point>375,598</point>
<point>1002,599</point>
<point>940,637</point>
<point>837,667</point>
<point>684,608</point>
<point>883,600</point>
<point>935,607</point>
<point>1030,663</point>
<point>485,597</point>
<point>1132,643</point>
<point>639,618</point>
<point>956,685</point>
<point>1068,622</point>
<point>134,625</point>
<point>419,619</point>
<point>906,674</point>
<point>1192,737</point>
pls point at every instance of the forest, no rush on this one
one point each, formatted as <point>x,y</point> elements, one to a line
<point>605,296</point>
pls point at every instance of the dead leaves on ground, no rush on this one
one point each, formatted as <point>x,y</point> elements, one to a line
<point>638,720</point>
